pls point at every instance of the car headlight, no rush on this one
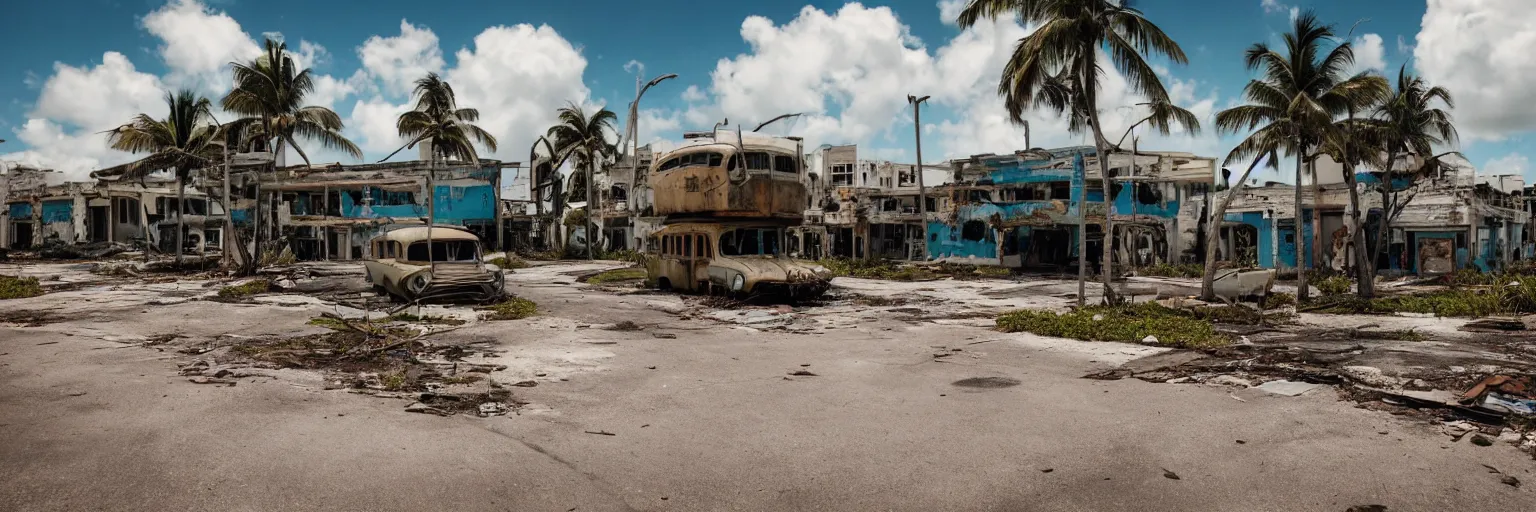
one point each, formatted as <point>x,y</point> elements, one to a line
<point>419,282</point>
<point>738,283</point>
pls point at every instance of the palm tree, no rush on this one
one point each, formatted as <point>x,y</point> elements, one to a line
<point>1352,143</point>
<point>448,130</point>
<point>185,140</point>
<point>269,91</point>
<point>1296,101</point>
<point>1058,66</point>
<point>585,139</point>
<point>1408,124</point>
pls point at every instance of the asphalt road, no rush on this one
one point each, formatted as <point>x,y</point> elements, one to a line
<point>91,423</point>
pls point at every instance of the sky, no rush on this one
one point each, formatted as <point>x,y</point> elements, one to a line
<point>90,65</point>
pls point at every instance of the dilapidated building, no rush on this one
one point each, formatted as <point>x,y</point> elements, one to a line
<point>330,212</point>
<point>1450,219</point>
<point>1019,210</point>
<point>41,209</point>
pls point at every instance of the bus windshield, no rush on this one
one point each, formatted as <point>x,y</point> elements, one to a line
<point>752,242</point>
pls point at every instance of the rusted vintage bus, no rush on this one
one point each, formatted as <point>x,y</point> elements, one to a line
<point>724,175</point>
<point>742,258</point>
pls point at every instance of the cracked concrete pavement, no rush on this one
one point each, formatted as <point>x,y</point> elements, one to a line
<point>705,415</point>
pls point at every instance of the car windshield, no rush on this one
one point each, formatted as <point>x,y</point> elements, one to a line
<point>751,242</point>
<point>442,250</point>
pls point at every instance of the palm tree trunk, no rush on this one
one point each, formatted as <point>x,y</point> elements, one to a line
<point>1384,225</point>
<point>1213,233</point>
<point>591,205</point>
<point>431,201</point>
<point>181,215</point>
<point>1107,253</point>
<point>1301,273</point>
<point>1365,282</point>
<point>1317,217</point>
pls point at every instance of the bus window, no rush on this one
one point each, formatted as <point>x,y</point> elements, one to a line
<point>699,247</point>
<point>783,164</point>
<point>687,246</point>
<point>714,159</point>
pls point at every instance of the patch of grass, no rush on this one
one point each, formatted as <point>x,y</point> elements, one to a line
<point>1398,334</point>
<point>613,276</point>
<point>328,323</point>
<point>394,381</point>
<point>875,269</point>
<point>240,291</point>
<point>514,308</point>
<point>509,262</point>
<point>12,287</point>
<point>625,255</point>
<point>1454,303</point>
<point>1131,323</point>
<point>1167,270</point>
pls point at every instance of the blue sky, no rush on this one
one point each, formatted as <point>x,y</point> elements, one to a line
<point>90,64</point>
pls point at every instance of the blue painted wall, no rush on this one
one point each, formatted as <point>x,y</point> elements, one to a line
<point>21,211</point>
<point>58,211</point>
<point>1266,230</point>
<point>452,205</point>
<point>945,241</point>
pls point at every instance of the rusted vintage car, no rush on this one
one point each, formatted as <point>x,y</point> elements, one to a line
<point>733,258</point>
<point>445,268</point>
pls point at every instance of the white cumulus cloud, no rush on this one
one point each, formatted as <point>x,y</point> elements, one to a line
<point>397,61</point>
<point>1370,54</point>
<point>1481,51</point>
<point>198,44</point>
<point>1513,163</point>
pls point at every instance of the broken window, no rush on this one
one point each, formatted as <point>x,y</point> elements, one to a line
<point>842,174</point>
<point>759,161</point>
<point>127,210</point>
<point>750,242</point>
<point>1148,194</point>
<point>668,165</point>
<point>784,164</point>
<point>383,197</point>
<point>974,230</point>
<point>443,250</point>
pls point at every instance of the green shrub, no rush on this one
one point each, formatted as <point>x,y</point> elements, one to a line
<point>12,287</point>
<point>1279,300</point>
<point>510,261</point>
<point>1131,323</point>
<point>1332,285</point>
<point>1183,270</point>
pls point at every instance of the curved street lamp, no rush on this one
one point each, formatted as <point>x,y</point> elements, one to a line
<point>634,135</point>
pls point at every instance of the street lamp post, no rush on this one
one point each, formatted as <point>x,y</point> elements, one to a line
<point>922,192</point>
<point>634,134</point>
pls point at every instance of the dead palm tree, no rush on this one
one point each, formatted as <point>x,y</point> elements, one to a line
<point>585,139</point>
<point>185,140</point>
<point>1297,99</point>
<point>269,91</point>
<point>1408,125</point>
<point>448,130</point>
<point>1059,67</point>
